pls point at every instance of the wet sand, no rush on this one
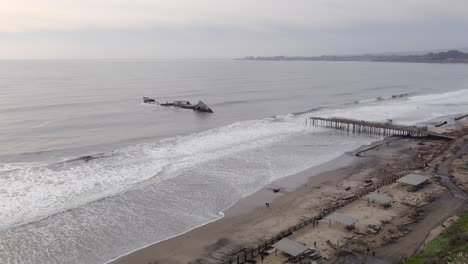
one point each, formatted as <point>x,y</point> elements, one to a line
<point>249,222</point>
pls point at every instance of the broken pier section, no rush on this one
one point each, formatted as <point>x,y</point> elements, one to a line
<point>370,127</point>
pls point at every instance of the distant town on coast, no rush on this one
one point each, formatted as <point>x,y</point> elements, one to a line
<point>451,56</point>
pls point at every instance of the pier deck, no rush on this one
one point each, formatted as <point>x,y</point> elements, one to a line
<point>370,127</point>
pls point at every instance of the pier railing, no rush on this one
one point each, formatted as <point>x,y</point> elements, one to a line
<point>367,127</point>
<point>371,127</point>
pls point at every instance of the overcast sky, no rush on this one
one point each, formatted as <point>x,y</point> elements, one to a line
<point>226,28</point>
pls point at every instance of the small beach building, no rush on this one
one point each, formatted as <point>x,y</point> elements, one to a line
<point>413,181</point>
<point>343,219</point>
<point>381,198</point>
<point>293,250</point>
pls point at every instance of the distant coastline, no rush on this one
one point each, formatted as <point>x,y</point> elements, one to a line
<point>451,56</point>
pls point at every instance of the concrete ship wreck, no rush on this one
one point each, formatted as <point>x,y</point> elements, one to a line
<point>199,107</point>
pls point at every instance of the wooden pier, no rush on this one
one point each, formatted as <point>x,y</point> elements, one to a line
<point>373,128</point>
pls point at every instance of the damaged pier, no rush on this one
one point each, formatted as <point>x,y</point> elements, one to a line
<point>374,128</point>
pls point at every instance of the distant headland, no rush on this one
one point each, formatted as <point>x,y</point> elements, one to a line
<point>451,56</point>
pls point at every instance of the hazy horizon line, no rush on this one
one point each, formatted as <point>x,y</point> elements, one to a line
<point>463,49</point>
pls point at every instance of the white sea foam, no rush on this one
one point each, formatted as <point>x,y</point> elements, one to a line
<point>30,193</point>
<point>408,111</point>
<point>35,192</point>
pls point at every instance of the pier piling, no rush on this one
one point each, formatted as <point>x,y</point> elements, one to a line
<point>371,127</point>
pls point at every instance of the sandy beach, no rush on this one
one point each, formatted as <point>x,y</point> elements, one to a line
<point>233,132</point>
<point>250,222</point>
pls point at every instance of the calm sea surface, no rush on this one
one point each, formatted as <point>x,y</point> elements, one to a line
<point>159,171</point>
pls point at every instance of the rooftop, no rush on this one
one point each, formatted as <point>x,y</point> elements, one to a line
<point>380,197</point>
<point>413,179</point>
<point>290,247</point>
<point>342,219</point>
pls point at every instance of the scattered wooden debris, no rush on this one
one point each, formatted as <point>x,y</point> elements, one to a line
<point>441,124</point>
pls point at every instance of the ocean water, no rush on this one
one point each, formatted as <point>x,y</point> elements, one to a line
<point>159,171</point>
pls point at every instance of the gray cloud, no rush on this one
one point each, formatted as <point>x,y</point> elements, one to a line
<point>217,28</point>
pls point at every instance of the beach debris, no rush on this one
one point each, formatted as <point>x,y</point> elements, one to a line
<point>441,124</point>
<point>276,190</point>
<point>460,117</point>
<point>347,256</point>
<point>348,197</point>
<point>88,158</point>
<point>267,204</point>
<point>400,95</point>
<point>330,244</point>
<point>372,229</point>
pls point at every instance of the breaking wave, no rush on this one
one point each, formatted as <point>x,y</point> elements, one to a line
<point>383,98</point>
<point>31,192</point>
<point>85,179</point>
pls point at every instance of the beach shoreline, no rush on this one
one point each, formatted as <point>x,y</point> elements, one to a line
<point>256,200</point>
<point>249,221</point>
<point>246,207</point>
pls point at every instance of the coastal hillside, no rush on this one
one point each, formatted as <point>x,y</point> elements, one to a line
<point>450,56</point>
<point>450,245</point>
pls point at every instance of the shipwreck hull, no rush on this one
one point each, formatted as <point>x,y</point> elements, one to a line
<point>199,107</point>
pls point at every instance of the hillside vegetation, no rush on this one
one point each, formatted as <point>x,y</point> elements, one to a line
<point>451,244</point>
